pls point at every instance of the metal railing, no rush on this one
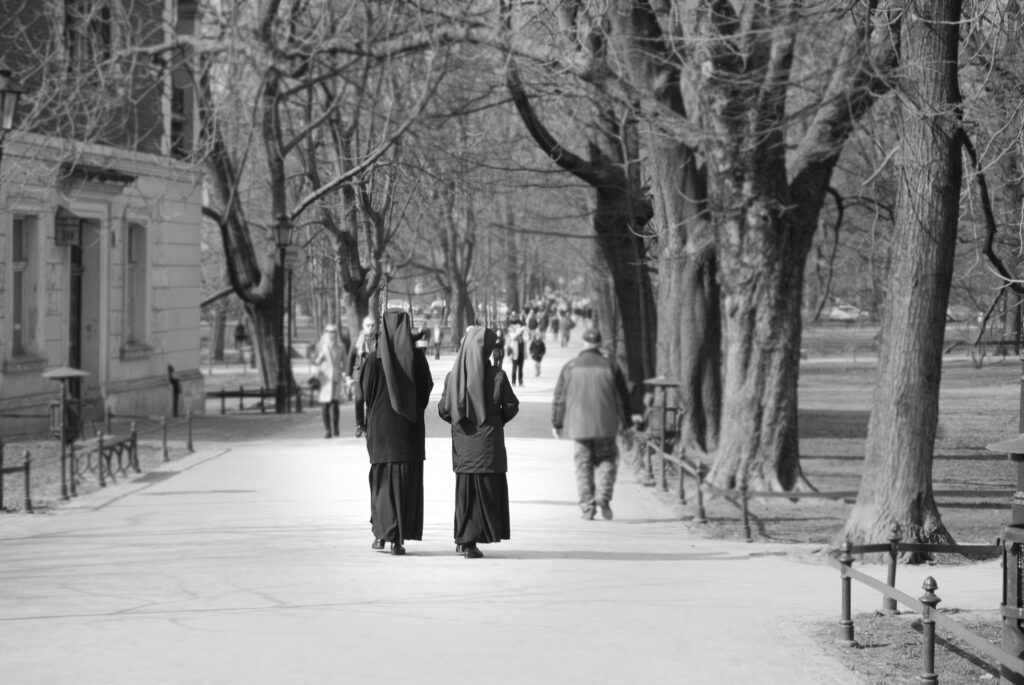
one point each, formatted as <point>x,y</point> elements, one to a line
<point>741,496</point>
<point>264,395</point>
<point>842,560</point>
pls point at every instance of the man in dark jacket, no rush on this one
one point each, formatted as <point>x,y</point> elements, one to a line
<point>591,403</point>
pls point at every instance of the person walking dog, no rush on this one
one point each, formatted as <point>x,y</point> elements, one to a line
<point>591,402</point>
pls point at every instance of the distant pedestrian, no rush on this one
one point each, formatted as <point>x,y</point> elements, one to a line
<point>365,343</point>
<point>515,346</point>
<point>436,339</point>
<point>591,402</point>
<point>498,354</point>
<point>565,326</point>
<point>395,384</point>
<point>478,401</point>
<point>537,350</point>
<point>241,338</point>
<point>330,358</point>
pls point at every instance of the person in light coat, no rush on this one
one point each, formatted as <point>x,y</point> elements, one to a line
<point>330,358</point>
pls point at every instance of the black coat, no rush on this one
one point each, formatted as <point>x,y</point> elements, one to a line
<point>390,437</point>
<point>481,449</point>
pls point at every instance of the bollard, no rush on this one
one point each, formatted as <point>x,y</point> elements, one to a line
<point>663,478</point>
<point>72,464</point>
<point>163,438</point>
<point>745,500</point>
<point>682,486</point>
<point>701,516</point>
<point>189,443</point>
<point>99,460</point>
<point>133,457</point>
<point>28,488</point>
<point>845,617</point>
<point>930,601</point>
<point>888,603</point>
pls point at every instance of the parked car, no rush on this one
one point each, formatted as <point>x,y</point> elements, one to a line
<point>847,313</point>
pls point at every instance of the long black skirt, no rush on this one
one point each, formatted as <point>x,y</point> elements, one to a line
<point>481,508</point>
<point>396,501</point>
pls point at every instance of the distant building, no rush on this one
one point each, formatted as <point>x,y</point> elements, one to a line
<point>100,212</point>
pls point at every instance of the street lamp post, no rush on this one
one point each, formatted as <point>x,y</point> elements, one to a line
<point>282,233</point>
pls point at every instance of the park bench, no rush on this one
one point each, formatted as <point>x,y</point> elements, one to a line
<point>98,453</point>
<point>262,394</point>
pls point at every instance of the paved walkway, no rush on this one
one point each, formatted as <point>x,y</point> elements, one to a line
<point>251,563</point>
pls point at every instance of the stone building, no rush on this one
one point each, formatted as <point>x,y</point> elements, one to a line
<point>100,210</point>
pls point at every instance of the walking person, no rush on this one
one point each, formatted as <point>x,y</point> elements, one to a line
<point>516,342</point>
<point>330,358</point>
<point>478,401</point>
<point>591,402</point>
<point>537,350</point>
<point>395,386</point>
<point>365,343</point>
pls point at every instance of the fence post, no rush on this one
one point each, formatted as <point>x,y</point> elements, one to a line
<point>163,438</point>
<point>701,516</point>
<point>1,474</point>
<point>745,500</point>
<point>108,420</point>
<point>72,465</point>
<point>888,603</point>
<point>223,401</point>
<point>845,618</point>
<point>930,601</point>
<point>133,456</point>
<point>682,486</point>
<point>189,443</point>
<point>99,458</point>
<point>28,488</point>
<point>241,398</point>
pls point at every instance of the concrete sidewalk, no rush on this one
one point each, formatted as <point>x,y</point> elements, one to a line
<point>251,563</point>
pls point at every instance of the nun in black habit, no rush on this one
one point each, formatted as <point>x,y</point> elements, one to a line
<point>395,382</point>
<point>478,401</point>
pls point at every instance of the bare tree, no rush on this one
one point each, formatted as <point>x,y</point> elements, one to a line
<point>897,483</point>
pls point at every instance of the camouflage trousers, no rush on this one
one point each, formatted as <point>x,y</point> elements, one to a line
<point>597,462</point>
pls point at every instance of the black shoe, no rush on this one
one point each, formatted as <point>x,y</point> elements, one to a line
<point>328,434</point>
<point>460,548</point>
<point>606,512</point>
<point>473,552</point>
<point>397,549</point>
<point>377,544</point>
<point>588,515</point>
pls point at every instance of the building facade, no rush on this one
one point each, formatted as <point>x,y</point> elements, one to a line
<point>100,211</point>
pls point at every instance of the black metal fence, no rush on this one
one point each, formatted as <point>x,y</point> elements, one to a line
<point>842,560</point>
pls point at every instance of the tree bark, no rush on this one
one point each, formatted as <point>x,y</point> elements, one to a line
<point>897,483</point>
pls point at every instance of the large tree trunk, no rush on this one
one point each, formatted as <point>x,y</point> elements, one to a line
<point>897,483</point>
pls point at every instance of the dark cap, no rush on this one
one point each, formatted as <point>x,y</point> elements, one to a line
<point>592,335</point>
